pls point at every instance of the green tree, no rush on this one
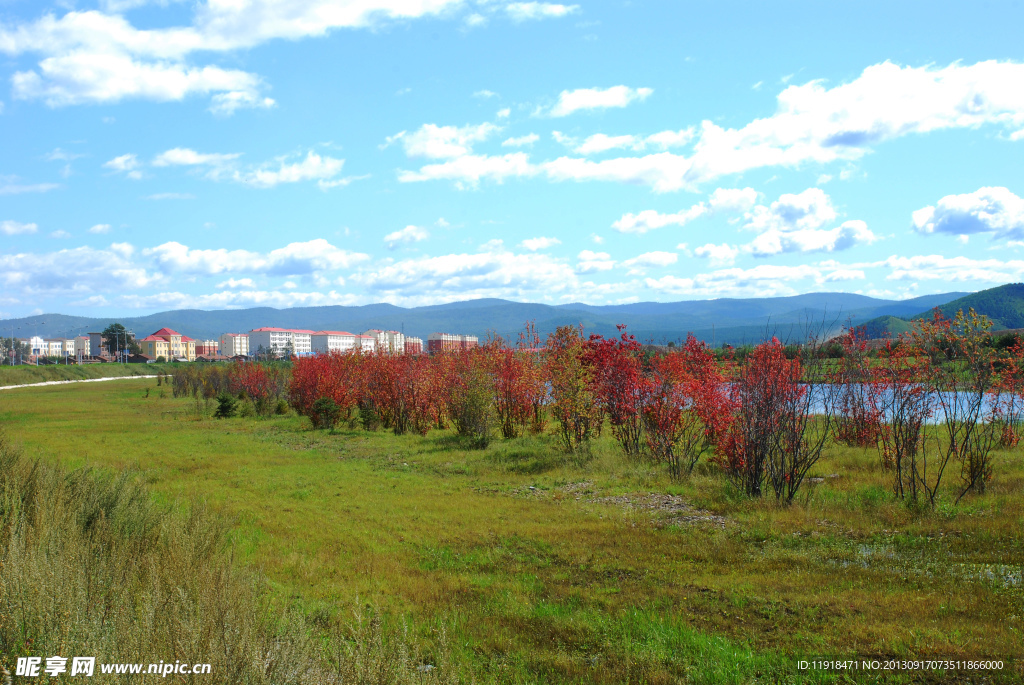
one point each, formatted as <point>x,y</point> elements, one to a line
<point>117,337</point>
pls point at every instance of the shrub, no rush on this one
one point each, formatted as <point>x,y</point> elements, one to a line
<point>227,406</point>
<point>325,413</point>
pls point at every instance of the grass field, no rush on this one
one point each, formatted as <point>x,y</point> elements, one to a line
<point>23,374</point>
<point>546,568</point>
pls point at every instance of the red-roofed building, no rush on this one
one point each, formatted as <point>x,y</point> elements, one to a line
<point>169,344</point>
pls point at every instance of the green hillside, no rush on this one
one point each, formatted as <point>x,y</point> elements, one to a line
<point>1004,305</point>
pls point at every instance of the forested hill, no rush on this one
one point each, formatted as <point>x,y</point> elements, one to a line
<point>1004,305</point>
<point>733,321</point>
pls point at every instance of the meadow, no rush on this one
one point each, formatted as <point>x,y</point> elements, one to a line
<point>536,565</point>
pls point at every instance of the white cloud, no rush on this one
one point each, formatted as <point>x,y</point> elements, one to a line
<point>993,210</point>
<point>952,269</point>
<point>443,142</point>
<point>495,272</point>
<point>93,56</point>
<point>599,142</point>
<point>719,255</point>
<point>722,199</point>
<point>295,259</point>
<point>667,139</point>
<point>100,229</point>
<point>534,244</point>
<point>60,234</point>
<point>409,234</point>
<point>290,285</point>
<point>652,259</point>
<point>186,157</point>
<point>812,125</point>
<point>128,164</point>
<point>504,113</point>
<point>649,219</point>
<point>19,188</point>
<point>171,196</point>
<point>848,234</point>
<point>571,101</point>
<point>312,168</point>
<point>468,170</point>
<point>17,228</point>
<point>81,272</point>
<point>238,283</point>
<point>521,141</point>
<point>523,11</point>
<point>485,94</point>
<point>590,262</point>
<point>794,223</point>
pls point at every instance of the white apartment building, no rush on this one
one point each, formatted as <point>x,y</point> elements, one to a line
<point>37,346</point>
<point>366,343</point>
<point>277,340</point>
<point>388,341</point>
<point>58,347</point>
<point>332,341</point>
<point>234,344</point>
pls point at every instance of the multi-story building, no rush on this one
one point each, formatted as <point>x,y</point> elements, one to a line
<point>56,347</point>
<point>332,341</point>
<point>413,345</point>
<point>168,344</point>
<point>37,346</point>
<point>366,343</point>
<point>234,344</point>
<point>96,344</point>
<point>207,347</point>
<point>468,342</point>
<point>280,340</point>
<point>388,341</point>
<point>82,346</point>
<point>442,342</point>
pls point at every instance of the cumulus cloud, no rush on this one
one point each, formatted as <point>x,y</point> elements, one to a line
<point>524,11</point>
<point>17,228</point>
<point>723,199</point>
<point>599,142</point>
<point>719,255</point>
<point>812,124</point>
<point>952,269</point>
<point>127,164</point>
<point>95,56</point>
<point>409,234</point>
<point>238,283</point>
<point>521,141</point>
<point>180,156</point>
<point>81,272</point>
<point>794,223</point>
<point>295,259</point>
<point>588,261</point>
<point>648,260</point>
<point>468,170</point>
<point>495,272</point>
<point>995,211</point>
<point>587,99</point>
<point>443,142</point>
<point>534,244</point>
<point>100,229</point>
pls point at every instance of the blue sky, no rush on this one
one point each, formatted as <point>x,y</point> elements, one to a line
<point>162,154</point>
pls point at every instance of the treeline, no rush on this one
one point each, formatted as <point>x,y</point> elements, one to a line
<point>946,393</point>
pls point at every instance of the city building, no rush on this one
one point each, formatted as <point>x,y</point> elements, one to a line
<point>168,344</point>
<point>413,345</point>
<point>332,341</point>
<point>366,343</point>
<point>82,346</point>
<point>207,347</point>
<point>96,344</point>
<point>442,342</point>
<point>468,342</point>
<point>234,344</point>
<point>387,341</point>
<point>280,340</point>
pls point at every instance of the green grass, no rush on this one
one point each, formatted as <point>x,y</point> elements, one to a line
<point>534,564</point>
<point>23,374</point>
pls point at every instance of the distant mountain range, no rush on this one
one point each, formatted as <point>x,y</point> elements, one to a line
<point>732,321</point>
